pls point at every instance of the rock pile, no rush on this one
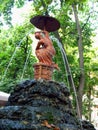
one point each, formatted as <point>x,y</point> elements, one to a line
<point>39,105</point>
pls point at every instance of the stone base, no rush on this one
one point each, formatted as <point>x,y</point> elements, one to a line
<point>35,101</point>
<point>42,71</point>
<point>32,118</point>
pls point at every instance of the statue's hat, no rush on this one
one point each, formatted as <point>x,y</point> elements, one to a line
<point>47,23</point>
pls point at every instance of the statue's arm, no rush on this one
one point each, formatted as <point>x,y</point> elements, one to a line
<point>40,43</point>
<point>38,46</point>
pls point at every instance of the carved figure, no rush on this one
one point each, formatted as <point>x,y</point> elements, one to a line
<point>45,50</point>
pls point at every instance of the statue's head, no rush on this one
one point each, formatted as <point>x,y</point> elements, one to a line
<point>37,35</point>
<point>40,34</point>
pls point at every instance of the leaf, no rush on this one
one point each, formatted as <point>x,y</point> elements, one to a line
<point>45,123</point>
<point>56,128</point>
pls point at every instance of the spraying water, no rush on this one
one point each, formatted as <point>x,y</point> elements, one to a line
<point>26,63</point>
<point>67,68</point>
<point>70,78</point>
<point>14,55</point>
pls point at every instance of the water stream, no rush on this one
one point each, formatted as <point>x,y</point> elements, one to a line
<point>25,64</point>
<point>17,47</point>
<point>68,70</point>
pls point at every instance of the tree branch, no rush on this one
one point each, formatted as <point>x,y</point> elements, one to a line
<point>45,7</point>
<point>86,21</point>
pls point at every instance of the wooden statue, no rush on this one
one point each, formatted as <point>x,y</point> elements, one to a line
<point>45,50</point>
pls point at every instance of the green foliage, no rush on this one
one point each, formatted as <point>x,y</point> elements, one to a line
<point>8,85</point>
<point>5,10</point>
<point>19,3</point>
<point>15,49</point>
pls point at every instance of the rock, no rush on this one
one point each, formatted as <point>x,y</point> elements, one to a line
<point>87,125</point>
<point>38,93</point>
<point>33,102</point>
<point>31,118</point>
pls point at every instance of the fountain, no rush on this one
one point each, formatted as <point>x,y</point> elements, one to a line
<point>41,103</point>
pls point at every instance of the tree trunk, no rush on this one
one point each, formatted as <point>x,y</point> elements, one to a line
<point>81,61</point>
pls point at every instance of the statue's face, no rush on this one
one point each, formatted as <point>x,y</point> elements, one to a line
<point>39,35</point>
